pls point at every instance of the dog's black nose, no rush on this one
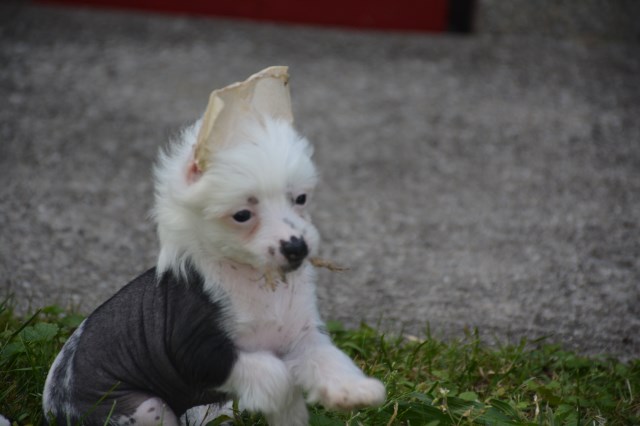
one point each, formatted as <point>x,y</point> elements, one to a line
<point>294,250</point>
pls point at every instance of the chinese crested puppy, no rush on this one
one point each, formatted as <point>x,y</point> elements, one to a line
<point>230,309</point>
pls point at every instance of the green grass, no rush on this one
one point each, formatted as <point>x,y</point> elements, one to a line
<point>429,381</point>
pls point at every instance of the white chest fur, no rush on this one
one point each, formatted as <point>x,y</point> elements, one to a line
<point>269,317</point>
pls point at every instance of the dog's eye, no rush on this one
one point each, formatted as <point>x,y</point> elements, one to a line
<point>242,216</point>
<point>301,199</point>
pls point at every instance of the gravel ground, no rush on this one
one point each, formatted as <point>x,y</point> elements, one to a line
<point>490,181</point>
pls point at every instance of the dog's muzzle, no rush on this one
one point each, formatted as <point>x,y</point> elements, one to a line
<point>295,251</point>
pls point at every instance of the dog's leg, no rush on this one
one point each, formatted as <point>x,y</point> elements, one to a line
<point>152,412</point>
<point>331,378</point>
<point>262,383</point>
<point>203,414</point>
<point>295,414</point>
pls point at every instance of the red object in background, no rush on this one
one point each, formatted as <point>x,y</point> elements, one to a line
<point>411,15</point>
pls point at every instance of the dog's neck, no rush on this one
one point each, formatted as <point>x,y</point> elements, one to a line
<point>231,275</point>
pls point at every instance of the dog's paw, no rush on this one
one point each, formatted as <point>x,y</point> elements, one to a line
<point>261,382</point>
<point>203,414</point>
<point>295,414</point>
<point>349,393</point>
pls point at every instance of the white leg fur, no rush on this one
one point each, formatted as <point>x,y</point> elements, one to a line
<point>295,414</point>
<point>261,382</point>
<point>332,379</point>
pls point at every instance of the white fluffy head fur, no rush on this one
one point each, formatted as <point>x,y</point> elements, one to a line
<point>264,173</point>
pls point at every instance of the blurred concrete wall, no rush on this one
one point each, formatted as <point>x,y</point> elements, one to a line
<point>602,19</point>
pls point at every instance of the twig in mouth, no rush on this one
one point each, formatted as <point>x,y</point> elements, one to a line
<point>323,263</point>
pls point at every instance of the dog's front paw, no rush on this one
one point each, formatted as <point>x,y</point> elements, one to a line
<point>295,414</point>
<point>349,393</point>
<point>261,382</point>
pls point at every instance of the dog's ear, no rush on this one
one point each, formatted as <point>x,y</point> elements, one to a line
<point>265,93</point>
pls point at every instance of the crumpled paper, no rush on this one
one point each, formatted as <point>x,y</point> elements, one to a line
<point>265,93</point>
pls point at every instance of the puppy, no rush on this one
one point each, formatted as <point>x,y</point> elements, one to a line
<point>230,310</point>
